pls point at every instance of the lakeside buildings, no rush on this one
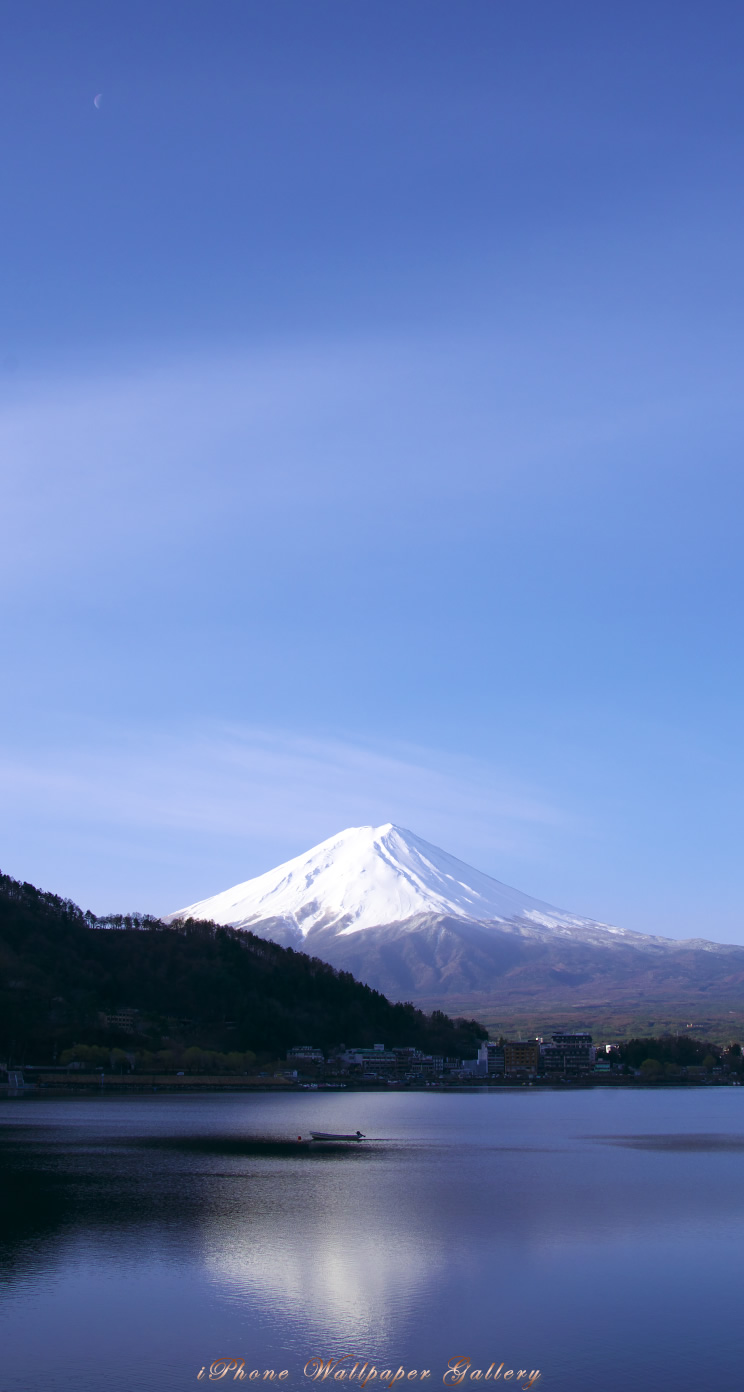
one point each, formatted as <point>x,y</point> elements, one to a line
<point>562,1056</point>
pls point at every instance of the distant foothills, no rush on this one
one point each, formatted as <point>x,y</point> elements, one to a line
<point>131,995</point>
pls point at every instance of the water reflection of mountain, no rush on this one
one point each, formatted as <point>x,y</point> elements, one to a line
<point>347,1236</point>
<point>163,1232</point>
<point>60,1187</point>
<point>34,1208</point>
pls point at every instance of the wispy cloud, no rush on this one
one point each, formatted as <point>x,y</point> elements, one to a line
<point>239,799</point>
<point>170,451</point>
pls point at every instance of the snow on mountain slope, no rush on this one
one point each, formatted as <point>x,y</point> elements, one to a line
<point>369,876</point>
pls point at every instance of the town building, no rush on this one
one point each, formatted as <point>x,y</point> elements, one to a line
<point>568,1056</point>
<point>124,1019</point>
<point>374,1062</point>
<point>491,1059</point>
<point>428,1063</point>
<point>522,1056</point>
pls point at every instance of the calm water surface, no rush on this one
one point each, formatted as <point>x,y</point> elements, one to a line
<point>596,1236</point>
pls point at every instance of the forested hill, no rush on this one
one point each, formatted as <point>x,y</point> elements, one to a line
<point>191,984</point>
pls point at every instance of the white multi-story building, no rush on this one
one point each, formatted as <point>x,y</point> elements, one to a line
<point>491,1058</point>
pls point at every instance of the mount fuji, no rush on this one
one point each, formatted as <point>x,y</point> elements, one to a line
<point>419,924</point>
<point>368,876</point>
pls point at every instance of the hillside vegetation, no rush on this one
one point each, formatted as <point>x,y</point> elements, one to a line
<point>190,985</point>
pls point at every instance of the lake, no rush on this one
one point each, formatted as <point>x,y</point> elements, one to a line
<point>594,1235</point>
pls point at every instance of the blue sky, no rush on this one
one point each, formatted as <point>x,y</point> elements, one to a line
<point>371,437</point>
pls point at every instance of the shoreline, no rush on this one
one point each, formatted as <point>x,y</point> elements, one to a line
<point>93,1086</point>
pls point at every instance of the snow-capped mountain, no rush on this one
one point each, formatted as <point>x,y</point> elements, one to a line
<point>419,924</point>
<point>368,876</point>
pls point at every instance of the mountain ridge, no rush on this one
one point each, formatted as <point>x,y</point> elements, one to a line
<point>366,876</point>
<point>417,923</point>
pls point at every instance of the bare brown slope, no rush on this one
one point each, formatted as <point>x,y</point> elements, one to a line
<point>438,958</point>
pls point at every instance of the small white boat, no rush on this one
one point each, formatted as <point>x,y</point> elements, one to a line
<point>336,1136</point>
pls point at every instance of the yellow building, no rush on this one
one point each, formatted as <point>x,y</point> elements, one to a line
<point>522,1055</point>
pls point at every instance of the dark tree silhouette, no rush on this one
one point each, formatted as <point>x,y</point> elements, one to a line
<point>194,983</point>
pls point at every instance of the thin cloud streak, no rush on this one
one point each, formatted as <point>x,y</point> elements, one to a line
<point>167,449</point>
<point>257,793</point>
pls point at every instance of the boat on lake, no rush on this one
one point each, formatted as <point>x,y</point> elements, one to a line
<point>337,1136</point>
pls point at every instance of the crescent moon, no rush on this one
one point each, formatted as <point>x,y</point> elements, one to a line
<point>97,100</point>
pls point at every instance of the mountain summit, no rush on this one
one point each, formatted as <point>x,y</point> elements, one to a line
<point>419,924</point>
<point>368,876</point>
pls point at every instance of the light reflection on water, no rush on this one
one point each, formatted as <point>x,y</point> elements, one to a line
<point>595,1235</point>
